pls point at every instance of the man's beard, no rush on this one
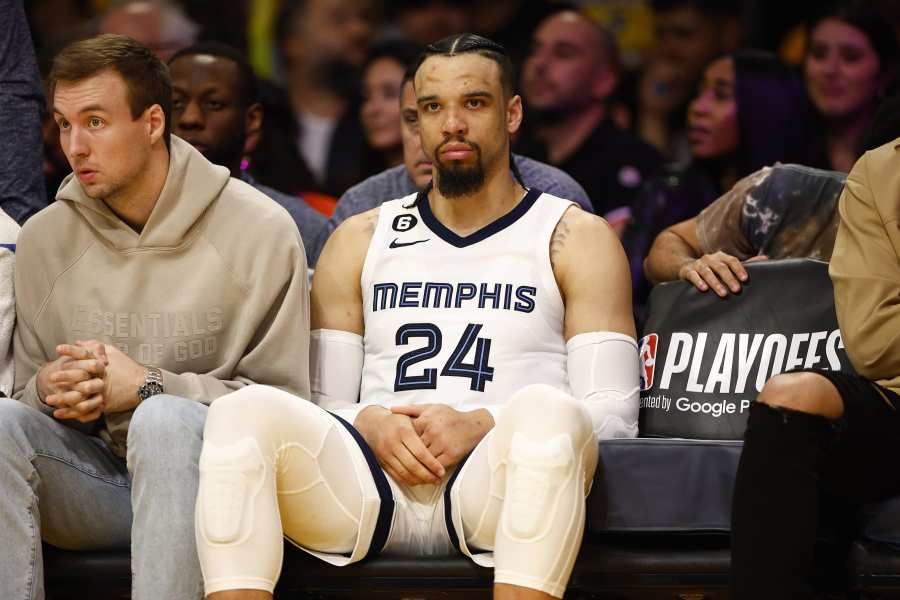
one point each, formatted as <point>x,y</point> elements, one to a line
<point>455,181</point>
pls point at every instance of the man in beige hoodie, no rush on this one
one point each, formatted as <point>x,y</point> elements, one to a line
<point>155,284</point>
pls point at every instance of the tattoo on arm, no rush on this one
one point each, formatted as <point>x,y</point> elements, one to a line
<point>558,240</point>
<point>371,222</point>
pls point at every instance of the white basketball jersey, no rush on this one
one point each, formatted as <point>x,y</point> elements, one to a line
<point>464,321</point>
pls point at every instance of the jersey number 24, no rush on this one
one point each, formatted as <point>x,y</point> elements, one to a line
<point>478,371</point>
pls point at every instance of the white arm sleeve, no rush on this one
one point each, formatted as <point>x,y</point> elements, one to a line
<point>604,371</point>
<point>336,363</point>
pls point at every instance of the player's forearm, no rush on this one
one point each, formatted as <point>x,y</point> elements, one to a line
<point>602,374</point>
<point>669,253</point>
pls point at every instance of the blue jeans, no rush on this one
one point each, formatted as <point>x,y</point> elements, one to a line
<point>70,490</point>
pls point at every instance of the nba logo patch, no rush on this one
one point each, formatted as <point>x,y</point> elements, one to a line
<point>648,360</point>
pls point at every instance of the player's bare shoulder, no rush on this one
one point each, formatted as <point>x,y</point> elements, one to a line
<point>579,234</point>
<point>362,224</point>
<point>336,298</point>
<point>350,241</point>
<point>591,270</point>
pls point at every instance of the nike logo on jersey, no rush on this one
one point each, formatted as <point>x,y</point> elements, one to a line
<point>396,244</point>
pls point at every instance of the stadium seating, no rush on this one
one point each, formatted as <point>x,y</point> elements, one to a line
<point>659,511</point>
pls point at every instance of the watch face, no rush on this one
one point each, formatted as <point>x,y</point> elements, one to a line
<point>150,389</point>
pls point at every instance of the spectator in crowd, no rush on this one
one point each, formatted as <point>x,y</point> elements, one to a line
<point>662,91</point>
<point>21,104</point>
<point>511,22</point>
<point>160,25</point>
<point>273,158</point>
<point>690,34</point>
<point>568,80</point>
<point>377,463</point>
<point>416,172</point>
<point>750,112</point>
<point>827,440</point>
<point>783,211</point>
<point>215,108</point>
<point>851,60</point>
<point>138,302</point>
<point>380,109</point>
<point>324,44</point>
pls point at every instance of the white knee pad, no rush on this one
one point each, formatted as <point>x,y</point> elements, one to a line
<point>536,474</point>
<point>231,478</point>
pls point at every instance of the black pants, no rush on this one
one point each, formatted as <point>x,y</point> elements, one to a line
<point>794,465</point>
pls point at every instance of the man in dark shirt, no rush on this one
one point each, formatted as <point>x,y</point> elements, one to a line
<point>215,109</point>
<point>323,45</point>
<point>567,80</point>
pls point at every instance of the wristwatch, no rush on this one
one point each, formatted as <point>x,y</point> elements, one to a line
<point>152,386</point>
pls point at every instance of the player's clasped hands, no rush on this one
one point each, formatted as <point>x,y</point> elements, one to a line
<point>720,271</point>
<point>74,383</point>
<point>398,447</point>
<point>416,444</point>
<point>447,433</point>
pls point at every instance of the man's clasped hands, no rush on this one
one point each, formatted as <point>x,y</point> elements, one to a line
<point>89,379</point>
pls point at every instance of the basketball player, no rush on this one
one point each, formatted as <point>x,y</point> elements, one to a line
<point>467,358</point>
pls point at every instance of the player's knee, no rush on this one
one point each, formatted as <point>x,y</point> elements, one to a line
<point>541,411</point>
<point>231,479</point>
<point>255,410</point>
<point>802,392</point>
<point>233,404</point>
<point>251,398</point>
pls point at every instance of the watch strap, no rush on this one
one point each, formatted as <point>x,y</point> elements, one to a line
<point>152,385</point>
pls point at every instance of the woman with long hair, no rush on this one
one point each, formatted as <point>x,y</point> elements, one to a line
<point>850,62</point>
<point>380,109</point>
<point>750,111</point>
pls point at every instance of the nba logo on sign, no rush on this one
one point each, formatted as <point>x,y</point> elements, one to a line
<point>648,360</point>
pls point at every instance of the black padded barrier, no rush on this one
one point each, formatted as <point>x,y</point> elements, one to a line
<point>665,486</point>
<point>704,358</point>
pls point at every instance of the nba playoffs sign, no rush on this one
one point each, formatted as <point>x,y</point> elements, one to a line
<point>704,359</point>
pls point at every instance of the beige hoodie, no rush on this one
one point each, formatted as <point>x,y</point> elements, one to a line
<point>213,291</point>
